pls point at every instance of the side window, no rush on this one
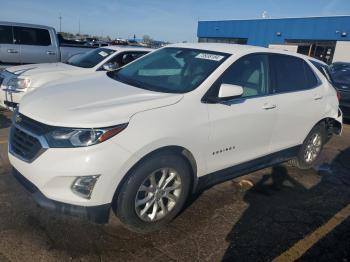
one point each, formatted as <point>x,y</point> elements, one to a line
<point>251,72</point>
<point>6,35</point>
<point>125,58</point>
<point>32,36</point>
<point>292,74</point>
<point>312,81</point>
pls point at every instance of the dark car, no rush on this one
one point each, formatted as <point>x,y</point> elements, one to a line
<point>336,66</point>
<point>341,80</point>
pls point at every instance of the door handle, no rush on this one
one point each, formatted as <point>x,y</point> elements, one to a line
<point>268,106</point>
<point>12,51</point>
<point>317,97</point>
<point>50,53</point>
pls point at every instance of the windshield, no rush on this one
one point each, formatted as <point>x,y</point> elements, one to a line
<point>171,70</point>
<point>91,58</point>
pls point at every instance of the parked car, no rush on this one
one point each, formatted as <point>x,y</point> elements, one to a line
<point>17,81</point>
<point>28,44</point>
<point>341,80</point>
<point>141,139</point>
<point>336,66</point>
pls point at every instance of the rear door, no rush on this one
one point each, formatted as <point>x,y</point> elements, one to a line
<point>298,94</point>
<point>9,49</point>
<point>36,45</point>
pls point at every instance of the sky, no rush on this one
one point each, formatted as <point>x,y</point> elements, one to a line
<point>166,20</point>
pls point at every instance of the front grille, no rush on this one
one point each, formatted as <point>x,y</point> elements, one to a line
<point>24,145</point>
<point>32,125</point>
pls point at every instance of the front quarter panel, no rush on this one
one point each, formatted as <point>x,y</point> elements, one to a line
<point>184,124</point>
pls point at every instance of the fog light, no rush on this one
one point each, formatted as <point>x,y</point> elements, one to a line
<point>83,186</point>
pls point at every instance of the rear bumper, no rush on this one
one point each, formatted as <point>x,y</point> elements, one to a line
<point>97,214</point>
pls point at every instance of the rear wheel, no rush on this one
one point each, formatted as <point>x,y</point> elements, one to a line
<point>311,148</point>
<point>154,193</point>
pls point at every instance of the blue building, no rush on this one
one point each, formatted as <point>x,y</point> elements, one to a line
<point>326,38</point>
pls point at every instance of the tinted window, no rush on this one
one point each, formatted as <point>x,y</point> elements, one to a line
<point>6,35</point>
<point>292,74</point>
<point>32,36</point>
<point>251,72</point>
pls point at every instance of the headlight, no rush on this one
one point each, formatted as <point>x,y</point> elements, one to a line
<point>18,83</point>
<point>76,137</point>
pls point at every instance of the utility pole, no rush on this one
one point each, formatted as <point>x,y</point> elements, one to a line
<point>60,18</point>
<point>79,27</point>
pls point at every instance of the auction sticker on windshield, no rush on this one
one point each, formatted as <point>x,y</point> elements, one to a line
<point>209,56</point>
<point>103,53</point>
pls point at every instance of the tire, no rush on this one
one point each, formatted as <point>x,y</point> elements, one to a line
<point>303,159</point>
<point>160,165</point>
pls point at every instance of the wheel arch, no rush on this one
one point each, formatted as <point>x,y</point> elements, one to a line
<point>176,150</point>
<point>332,125</point>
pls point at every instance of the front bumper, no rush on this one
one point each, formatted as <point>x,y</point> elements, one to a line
<point>98,214</point>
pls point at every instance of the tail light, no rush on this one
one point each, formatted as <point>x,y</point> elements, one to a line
<point>338,95</point>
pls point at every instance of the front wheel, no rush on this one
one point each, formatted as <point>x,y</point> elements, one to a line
<point>154,193</point>
<point>311,148</point>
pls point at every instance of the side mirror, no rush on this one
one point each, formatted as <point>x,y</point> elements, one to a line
<point>228,91</point>
<point>110,66</point>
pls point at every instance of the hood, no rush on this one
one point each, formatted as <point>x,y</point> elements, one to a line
<point>91,102</point>
<point>32,69</point>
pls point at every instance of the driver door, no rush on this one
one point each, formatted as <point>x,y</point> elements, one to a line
<point>241,129</point>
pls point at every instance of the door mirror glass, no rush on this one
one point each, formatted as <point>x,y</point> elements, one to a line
<point>110,66</point>
<point>228,91</point>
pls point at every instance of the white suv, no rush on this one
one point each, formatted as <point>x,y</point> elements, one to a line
<point>142,139</point>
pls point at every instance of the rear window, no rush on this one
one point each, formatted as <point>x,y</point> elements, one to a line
<point>32,36</point>
<point>6,35</point>
<point>292,74</point>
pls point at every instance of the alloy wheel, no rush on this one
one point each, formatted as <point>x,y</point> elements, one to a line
<point>158,194</point>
